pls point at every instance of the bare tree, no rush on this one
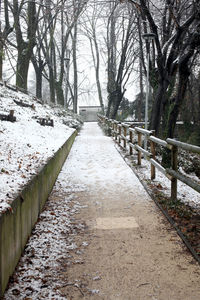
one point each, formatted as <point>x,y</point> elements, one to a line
<point>90,30</point>
<point>60,24</point>
<point>121,37</point>
<point>5,30</point>
<point>25,23</point>
<point>175,25</point>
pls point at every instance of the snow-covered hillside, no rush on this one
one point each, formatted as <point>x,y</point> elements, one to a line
<point>25,145</point>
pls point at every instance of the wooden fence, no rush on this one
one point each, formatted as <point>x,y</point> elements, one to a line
<point>126,133</point>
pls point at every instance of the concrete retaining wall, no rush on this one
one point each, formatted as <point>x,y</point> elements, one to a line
<point>16,225</point>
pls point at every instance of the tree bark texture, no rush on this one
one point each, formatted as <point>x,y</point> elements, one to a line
<point>25,49</point>
<point>74,50</point>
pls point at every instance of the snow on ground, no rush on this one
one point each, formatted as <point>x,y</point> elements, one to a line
<point>25,145</point>
<point>185,194</point>
<point>50,250</point>
<point>97,157</point>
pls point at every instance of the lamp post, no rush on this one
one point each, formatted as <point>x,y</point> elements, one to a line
<point>148,37</point>
<point>67,60</point>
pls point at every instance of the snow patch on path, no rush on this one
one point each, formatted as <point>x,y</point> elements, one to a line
<point>99,166</point>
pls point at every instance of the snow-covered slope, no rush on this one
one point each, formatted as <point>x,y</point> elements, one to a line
<point>25,145</point>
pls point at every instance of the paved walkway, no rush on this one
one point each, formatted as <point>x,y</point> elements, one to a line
<point>102,237</point>
<point>132,252</point>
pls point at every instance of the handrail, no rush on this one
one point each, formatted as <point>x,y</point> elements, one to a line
<point>160,168</point>
<point>195,186</point>
<point>145,152</point>
<point>143,131</point>
<point>123,132</point>
<point>184,146</point>
<point>160,142</point>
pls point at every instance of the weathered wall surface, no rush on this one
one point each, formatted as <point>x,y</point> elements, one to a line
<point>16,225</point>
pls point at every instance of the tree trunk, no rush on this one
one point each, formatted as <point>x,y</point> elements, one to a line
<point>110,101</point>
<point>23,61</point>
<point>100,93</point>
<point>141,97</point>
<point>1,59</point>
<point>52,85</point>
<point>38,74</point>
<point>157,106</point>
<point>4,34</point>
<point>198,116</point>
<point>175,108</point>
<point>111,69</point>
<point>25,49</point>
<point>66,102</point>
<point>38,65</point>
<point>183,81</point>
<point>59,93</point>
<point>39,85</point>
<point>74,49</point>
<point>97,70</point>
<point>52,73</point>
<point>118,99</point>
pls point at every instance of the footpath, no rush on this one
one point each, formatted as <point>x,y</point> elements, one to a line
<point>124,249</point>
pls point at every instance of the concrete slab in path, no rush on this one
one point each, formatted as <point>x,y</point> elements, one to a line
<point>131,252</point>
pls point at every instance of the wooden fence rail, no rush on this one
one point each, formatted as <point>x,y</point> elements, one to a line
<point>124,134</point>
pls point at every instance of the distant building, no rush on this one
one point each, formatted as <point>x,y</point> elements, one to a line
<point>89,113</point>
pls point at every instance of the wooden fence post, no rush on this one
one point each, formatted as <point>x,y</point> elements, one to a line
<point>131,141</point>
<point>120,132</point>
<point>115,131</point>
<point>106,123</point>
<point>125,133</point>
<point>139,144</point>
<point>153,152</point>
<point>174,164</point>
<point>109,126</point>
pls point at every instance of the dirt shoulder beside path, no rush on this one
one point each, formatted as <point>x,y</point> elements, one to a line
<point>131,252</point>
